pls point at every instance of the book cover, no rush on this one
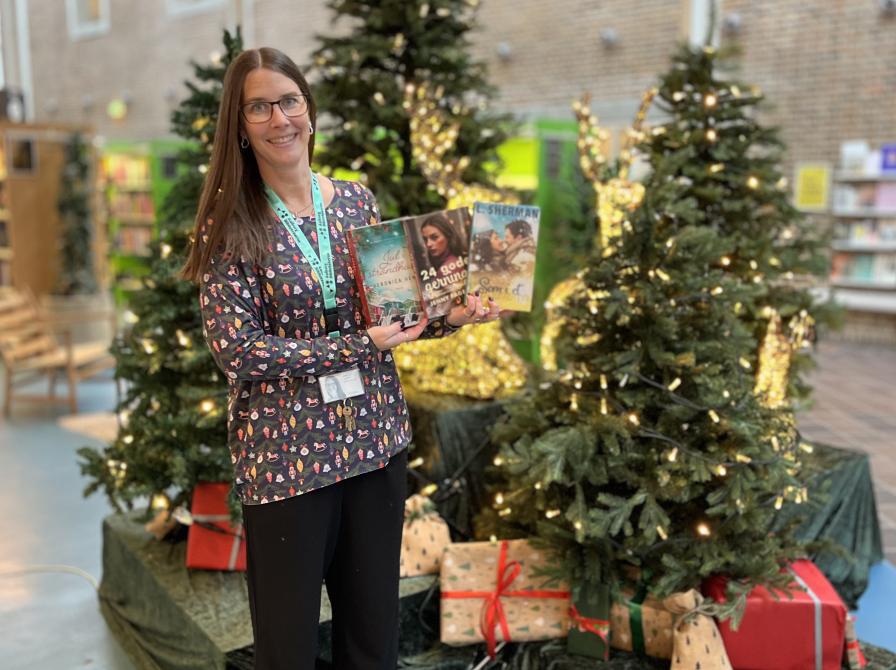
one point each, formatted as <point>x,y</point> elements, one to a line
<point>885,200</point>
<point>439,244</point>
<point>385,273</point>
<point>502,254</point>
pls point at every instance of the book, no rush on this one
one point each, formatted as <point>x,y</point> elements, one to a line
<point>414,266</point>
<point>502,254</point>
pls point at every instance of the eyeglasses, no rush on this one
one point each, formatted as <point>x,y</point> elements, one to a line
<point>261,111</point>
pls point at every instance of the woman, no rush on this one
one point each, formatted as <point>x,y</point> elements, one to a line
<point>488,252</point>
<point>319,467</point>
<point>444,246</point>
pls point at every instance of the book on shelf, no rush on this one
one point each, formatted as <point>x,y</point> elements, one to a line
<point>885,197</point>
<point>502,254</point>
<point>410,267</point>
<point>885,268</point>
<point>888,159</point>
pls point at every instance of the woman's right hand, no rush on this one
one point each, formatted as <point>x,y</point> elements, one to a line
<point>386,337</point>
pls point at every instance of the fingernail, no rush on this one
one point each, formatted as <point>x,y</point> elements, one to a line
<point>476,293</point>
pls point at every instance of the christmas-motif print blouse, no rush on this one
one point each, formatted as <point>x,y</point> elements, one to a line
<point>265,328</point>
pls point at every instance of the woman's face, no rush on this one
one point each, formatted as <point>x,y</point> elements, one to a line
<point>436,243</point>
<point>282,141</point>
<point>497,242</point>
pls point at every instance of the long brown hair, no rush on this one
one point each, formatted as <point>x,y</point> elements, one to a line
<point>233,192</point>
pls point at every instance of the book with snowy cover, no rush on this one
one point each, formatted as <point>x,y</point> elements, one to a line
<point>424,256</point>
<point>502,254</point>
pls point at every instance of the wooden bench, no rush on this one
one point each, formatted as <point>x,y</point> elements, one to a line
<point>34,344</point>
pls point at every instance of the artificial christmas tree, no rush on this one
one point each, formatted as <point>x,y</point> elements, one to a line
<point>172,416</point>
<point>360,80</point>
<point>651,446</point>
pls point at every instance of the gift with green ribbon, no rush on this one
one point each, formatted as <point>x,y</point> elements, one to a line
<point>640,623</point>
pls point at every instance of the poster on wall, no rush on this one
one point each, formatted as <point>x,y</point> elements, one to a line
<point>812,187</point>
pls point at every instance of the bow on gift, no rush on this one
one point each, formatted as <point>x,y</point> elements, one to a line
<point>492,615</point>
<point>599,627</point>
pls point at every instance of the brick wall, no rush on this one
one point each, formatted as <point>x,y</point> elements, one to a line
<point>828,67</point>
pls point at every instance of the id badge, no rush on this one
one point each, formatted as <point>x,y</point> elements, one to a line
<point>341,385</point>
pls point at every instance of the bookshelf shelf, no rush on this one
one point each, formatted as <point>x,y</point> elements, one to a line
<point>863,274</point>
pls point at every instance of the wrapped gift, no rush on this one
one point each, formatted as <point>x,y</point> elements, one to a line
<point>213,542</point>
<point>491,591</point>
<point>424,538</point>
<point>696,642</point>
<point>855,659</point>
<point>589,623</point>
<point>641,624</point>
<point>806,630</point>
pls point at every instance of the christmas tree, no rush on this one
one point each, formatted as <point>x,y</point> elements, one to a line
<point>361,81</point>
<point>172,417</point>
<point>655,446</point>
<point>76,271</point>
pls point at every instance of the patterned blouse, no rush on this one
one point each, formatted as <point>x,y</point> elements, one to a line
<point>265,328</point>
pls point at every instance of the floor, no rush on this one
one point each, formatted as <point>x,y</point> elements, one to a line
<point>51,535</point>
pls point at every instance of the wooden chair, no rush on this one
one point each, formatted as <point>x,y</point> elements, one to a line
<point>30,347</point>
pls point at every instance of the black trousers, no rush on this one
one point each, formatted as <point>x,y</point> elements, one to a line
<point>347,534</point>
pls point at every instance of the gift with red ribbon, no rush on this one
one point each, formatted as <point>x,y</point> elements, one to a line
<point>801,631</point>
<point>589,622</point>
<point>214,542</point>
<point>492,591</point>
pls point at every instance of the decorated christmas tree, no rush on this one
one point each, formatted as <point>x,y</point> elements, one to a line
<point>76,270</point>
<point>664,441</point>
<point>360,80</point>
<point>172,417</point>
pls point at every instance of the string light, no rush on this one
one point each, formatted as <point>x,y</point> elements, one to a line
<point>753,182</point>
<point>672,455</point>
<point>499,498</point>
<point>709,100</point>
<point>160,501</point>
<point>416,463</point>
<point>703,530</point>
<point>603,406</point>
<point>675,384</point>
<point>128,439</point>
<point>505,512</point>
<point>779,502</point>
<point>498,461</point>
<point>165,249</point>
<point>551,513</point>
<point>183,339</point>
<point>429,489</point>
<point>721,470</point>
<point>633,418</point>
<point>711,135</point>
<point>662,532</point>
<point>206,406</point>
<point>713,416</point>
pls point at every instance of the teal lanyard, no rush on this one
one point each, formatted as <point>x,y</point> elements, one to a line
<point>322,264</point>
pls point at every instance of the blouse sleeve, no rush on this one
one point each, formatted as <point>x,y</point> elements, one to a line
<point>231,305</point>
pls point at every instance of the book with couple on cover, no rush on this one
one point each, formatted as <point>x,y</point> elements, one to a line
<point>425,264</point>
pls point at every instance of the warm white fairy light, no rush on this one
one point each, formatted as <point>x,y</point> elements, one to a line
<point>711,135</point>
<point>713,416</point>
<point>710,100</point>
<point>703,530</point>
<point>429,489</point>
<point>672,456</point>
<point>551,513</point>
<point>416,463</point>
<point>674,384</point>
<point>499,498</point>
<point>207,406</point>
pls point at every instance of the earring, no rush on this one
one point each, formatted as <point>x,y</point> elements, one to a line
<point>310,129</point>
<point>244,142</point>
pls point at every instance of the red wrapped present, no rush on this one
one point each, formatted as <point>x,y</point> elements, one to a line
<point>213,543</point>
<point>806,632</point>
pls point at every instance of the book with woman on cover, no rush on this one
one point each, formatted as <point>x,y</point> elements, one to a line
<point>412,266</point>
<point>502,254</point>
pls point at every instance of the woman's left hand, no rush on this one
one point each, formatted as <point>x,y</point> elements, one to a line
<point>477,310</point>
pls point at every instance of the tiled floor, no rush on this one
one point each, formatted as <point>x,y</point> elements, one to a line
<point>855,407</point>
<point>51,621</point>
